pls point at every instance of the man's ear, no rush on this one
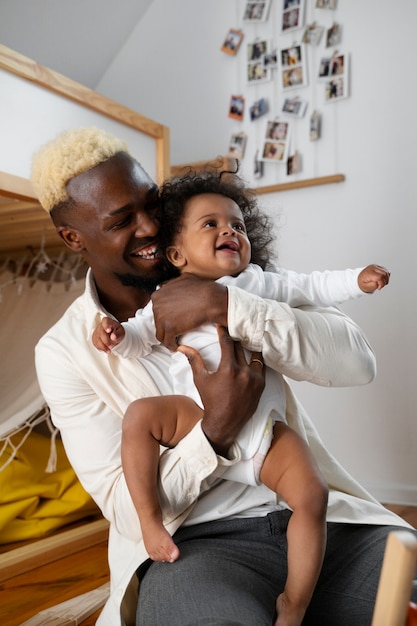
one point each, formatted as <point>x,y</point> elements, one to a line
<point>175,257</point>
<point>71,238</point>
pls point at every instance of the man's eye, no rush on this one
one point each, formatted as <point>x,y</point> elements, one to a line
<point>121,223</point>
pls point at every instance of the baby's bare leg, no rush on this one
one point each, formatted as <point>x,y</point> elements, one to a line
<point>290,470</point>
<point>147,424</point>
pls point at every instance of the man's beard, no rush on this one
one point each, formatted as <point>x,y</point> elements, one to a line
<point>148,283</point>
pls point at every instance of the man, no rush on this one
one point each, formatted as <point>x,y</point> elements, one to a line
<point>232,537</point>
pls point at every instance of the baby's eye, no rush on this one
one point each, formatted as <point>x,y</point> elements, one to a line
<point>210,224</point>
<point>240,226</point>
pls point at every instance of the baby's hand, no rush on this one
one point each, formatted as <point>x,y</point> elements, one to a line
<point>373,277</point>
<point>108,334</point>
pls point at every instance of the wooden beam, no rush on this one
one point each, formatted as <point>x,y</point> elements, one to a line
<point>12,186</point>
<point>299,184</point>
<point>52,548</point>
<point>228,163</point>
<point>28,69</point>
<point>396,580</point>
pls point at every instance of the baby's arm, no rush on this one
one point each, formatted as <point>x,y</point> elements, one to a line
<point>134,338</point>
<point>327,288</point>
<point>373,277</point>
<point>107,334</point>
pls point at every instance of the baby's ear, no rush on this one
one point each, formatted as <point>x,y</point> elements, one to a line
<point>175,257</point>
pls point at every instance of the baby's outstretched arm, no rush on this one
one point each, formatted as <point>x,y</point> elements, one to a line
<point>108,334</point>
<point>373,277</point>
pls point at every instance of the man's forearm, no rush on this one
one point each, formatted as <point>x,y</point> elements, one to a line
<point>322,346</point>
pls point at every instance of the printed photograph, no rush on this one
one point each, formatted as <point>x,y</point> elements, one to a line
<point>232,42</point>
<point>277,130</point>
<point>333,36</point>
<point>274,151</point>
<point>276,142</point>
<point>256,69</point>
<point>292,15</point>
<point>334,71</point>
<point>237,107</point>
<point>258,108</point>
<point>335,65</point>
<point>237,145</point>
<point>258,166</point>
<point>256,11</point>
<point>315,126</point>
<point>294,77</point>
<point>271,59</point>
<point>336,89</point>
<point>294,164</point>
<point>326,4</point>
<point>295,106</point>
<point>293,67</point>
<point>313,34</point>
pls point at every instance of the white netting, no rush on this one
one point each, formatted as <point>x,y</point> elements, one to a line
<point>35,290</point>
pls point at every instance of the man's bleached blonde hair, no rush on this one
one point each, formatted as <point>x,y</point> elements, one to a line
<point>69,154</point>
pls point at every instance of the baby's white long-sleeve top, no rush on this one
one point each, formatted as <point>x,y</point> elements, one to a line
<point>327,288</point>
<point>319,288</point>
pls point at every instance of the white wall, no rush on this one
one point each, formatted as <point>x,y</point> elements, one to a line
<point>172,70</point>
<point>24,129</point>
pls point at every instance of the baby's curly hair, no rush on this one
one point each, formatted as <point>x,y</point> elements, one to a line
<point>175,192</point>
<point>69,154</point>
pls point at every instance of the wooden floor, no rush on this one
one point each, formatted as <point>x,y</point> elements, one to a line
<point>35,576</point>
<point>24,595</point>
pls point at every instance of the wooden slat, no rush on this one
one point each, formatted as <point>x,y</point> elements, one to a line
<point>52,548</point>
<point>398,571</point>
<point>25,595</point>
<point>226,163</point>
<point>49,79</point>
<point>299,184</point>
<point>13,186</point>
<point>221,163</point>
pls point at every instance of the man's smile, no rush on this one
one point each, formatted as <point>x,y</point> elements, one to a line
<point>149,253</point>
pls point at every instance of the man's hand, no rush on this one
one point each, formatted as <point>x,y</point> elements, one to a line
<point>185,303</point>
<point>373,277</point>
<point>231,394</point>
<point>107,334</point>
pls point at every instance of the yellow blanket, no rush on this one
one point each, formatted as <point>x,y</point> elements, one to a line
<point>34,502</point>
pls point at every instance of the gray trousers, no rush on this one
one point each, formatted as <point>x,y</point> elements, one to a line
<point>231,572</point>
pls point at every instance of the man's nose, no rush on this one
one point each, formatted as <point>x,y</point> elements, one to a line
<point>146,225</point>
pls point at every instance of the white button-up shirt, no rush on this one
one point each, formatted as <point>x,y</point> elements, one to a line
<point>88,392</point>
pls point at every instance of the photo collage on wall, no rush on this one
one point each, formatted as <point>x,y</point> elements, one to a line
<point>286,62</point>
<point>333,71</point>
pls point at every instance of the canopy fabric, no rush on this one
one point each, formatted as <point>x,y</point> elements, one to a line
<point>28,307</point>
<point>33,502</point>
<point>39,491</point>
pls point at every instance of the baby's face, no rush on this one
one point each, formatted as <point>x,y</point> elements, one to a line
<point>213,240</point>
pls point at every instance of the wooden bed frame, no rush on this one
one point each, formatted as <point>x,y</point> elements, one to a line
<point>24,224</point>
<point>22,220</point>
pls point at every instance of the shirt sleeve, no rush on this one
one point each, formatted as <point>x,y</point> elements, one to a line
<point>320,345</point>
<point>139,336</point>
<point>328,288</point>
<point>91,430</point>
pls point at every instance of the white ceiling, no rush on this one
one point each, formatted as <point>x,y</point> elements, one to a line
<point>77,38</point>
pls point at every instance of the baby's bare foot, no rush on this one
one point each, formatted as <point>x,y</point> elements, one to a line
<point>159,544</point>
